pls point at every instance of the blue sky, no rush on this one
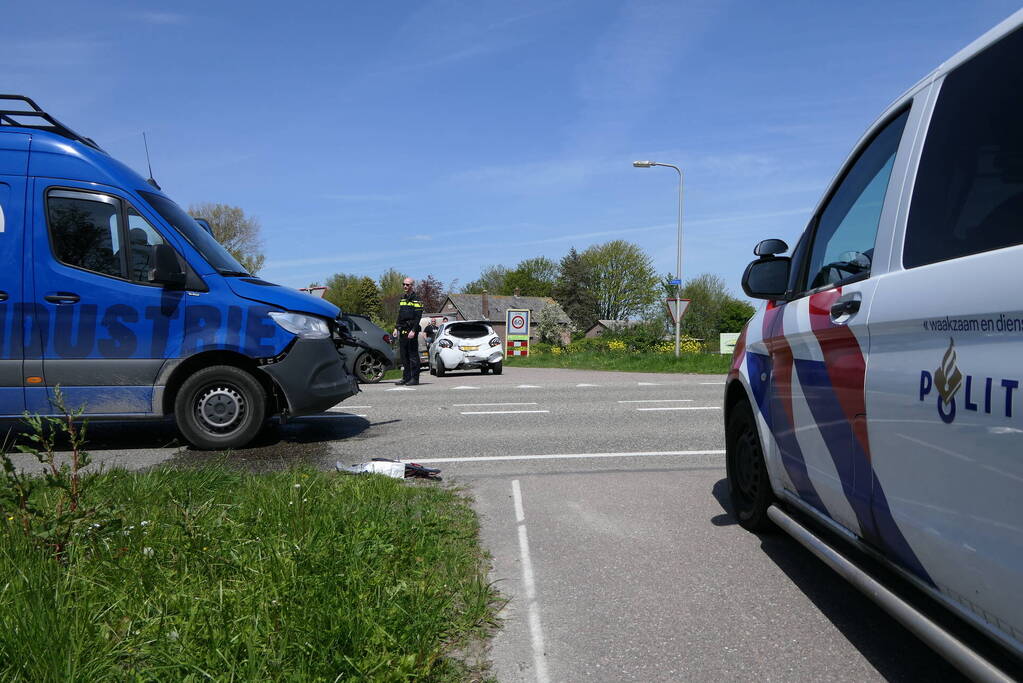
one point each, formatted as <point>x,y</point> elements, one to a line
<point>438,137</point>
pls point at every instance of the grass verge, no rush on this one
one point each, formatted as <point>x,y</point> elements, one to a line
<point>220,574</point>
<point>628,361</point>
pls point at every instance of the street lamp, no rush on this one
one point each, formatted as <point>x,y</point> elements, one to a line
<point>678,263</point>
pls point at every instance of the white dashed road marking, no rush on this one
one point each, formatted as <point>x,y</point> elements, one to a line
<point>649,384</point>
<point>502,412</point>
<point>683,408</point>
<point>528,386</point>
<point>401,389</point>
<point>659,400</point>
<point>710,383</point>
<point>587,385</point>
<point>456,388</point>
<point>529,584</point>
<point>483,405</point>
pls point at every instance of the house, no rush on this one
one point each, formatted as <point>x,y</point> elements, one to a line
<point>492,308</point>
<point>600,327</point>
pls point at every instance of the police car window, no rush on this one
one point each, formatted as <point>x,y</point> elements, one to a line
<point>142,238</point>
<point>843,244</point>
<point>968,196</point>
<point>85,234</point>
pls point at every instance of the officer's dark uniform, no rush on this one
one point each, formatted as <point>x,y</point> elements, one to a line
<point>410,312</point>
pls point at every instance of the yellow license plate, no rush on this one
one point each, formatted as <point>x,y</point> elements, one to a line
<point>468,348</point>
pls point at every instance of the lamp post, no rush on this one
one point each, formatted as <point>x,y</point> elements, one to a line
<point>678,262</point>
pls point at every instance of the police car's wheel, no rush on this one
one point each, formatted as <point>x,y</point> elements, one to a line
<point>368,368</point>
<point>748,483</point>
<point>439,366</point>
<point>498,367</point>
<point>220,407</point>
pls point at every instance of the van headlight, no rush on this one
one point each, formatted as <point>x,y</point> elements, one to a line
<point>304,326</point>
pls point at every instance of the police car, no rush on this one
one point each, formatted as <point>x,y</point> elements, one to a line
<point>877,394</point>
<point>111,292</point>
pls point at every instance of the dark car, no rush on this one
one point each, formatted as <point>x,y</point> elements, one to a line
<point>368,367</point>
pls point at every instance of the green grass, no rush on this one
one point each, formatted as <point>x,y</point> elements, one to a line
<point>627,361</point>
<point>225,575</point>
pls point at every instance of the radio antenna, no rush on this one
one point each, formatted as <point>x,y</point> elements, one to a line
<point>148,163</point>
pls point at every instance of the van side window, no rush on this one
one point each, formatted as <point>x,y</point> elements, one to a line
<point>968,196</point>
<point>843,245</point>
<point>142,238</point>
<point>85,234</point>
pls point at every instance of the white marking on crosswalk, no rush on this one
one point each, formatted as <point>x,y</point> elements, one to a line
<point>401,389</point>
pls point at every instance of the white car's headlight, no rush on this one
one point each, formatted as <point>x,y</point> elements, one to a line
<point>305,326</point>
<point>445,343</point>
<point>495,341</point>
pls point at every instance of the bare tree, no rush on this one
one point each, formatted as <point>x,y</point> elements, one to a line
<point>240,234</point>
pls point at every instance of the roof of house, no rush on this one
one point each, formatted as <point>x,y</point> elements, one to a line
<point>615,324</point>
<point>470,306</point>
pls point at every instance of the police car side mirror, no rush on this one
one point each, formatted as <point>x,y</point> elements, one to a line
<point>167,269</point>
<point>767,277</point>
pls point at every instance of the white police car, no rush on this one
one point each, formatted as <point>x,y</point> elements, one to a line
<point>878,392</point>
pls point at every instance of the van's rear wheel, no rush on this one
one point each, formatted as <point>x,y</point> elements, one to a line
<point>748,482</point>
<point>220,407</point>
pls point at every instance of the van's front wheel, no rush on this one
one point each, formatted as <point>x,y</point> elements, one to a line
<point>220,407</point>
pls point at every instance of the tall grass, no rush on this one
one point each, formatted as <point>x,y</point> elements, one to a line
<point>223,575</point>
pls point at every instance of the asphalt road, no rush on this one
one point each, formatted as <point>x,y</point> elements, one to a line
<point>604,505</point>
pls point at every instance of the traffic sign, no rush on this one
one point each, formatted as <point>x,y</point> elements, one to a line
<point>517,323</point>
<point>676,307</point>
<point>674,282</point>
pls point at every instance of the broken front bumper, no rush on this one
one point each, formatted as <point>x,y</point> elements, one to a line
<point>312,377</point>
<point>456,359</point>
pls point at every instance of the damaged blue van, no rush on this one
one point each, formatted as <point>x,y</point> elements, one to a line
<point>109,290</point>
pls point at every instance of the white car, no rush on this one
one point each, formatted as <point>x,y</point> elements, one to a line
<point>466,345</point>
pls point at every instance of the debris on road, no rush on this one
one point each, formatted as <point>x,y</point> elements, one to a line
<point>390,468</point>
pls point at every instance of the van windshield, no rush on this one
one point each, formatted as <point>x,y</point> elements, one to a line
<point>209,248</point>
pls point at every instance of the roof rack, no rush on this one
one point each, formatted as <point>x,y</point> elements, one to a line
<point>36,118</point>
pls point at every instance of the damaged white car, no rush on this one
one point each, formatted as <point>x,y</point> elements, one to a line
<point>466,345</point>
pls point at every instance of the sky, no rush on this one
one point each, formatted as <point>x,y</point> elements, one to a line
<point>438,137</point>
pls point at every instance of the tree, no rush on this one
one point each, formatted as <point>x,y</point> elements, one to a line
<point>390,294</point>
<point>238,233</point>
<point>734,315</point>
<point>491,280</point>
<point>549,327</point>
<point>369,300</point>
<point>431,293</point>
<point>532,277</point>
<point>624,281</point>
<point>712,309</point>
<point>343,292</point>
<point>573,290</point>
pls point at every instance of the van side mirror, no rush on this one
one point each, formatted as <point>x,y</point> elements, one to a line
<point>768,276</point>
<point>167,269</point>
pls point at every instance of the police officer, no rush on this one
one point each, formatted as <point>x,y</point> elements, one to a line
<point>406,331</point>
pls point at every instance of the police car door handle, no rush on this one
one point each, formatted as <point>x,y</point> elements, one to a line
<point>844,308</point>
<point>63,298</point>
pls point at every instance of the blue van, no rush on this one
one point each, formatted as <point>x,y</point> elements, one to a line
<point>109,290</point>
